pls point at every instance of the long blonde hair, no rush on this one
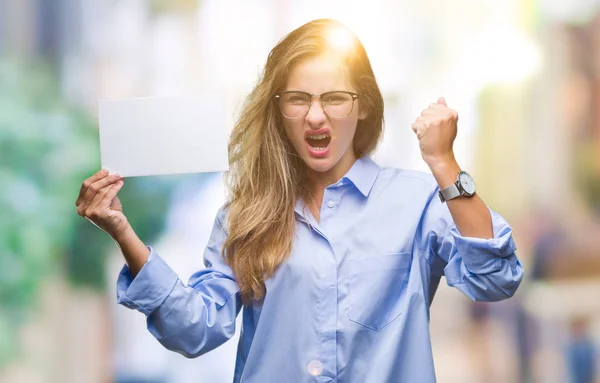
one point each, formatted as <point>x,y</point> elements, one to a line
<point>266,175</point>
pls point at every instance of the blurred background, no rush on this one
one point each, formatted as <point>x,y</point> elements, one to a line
<point>524,76</point>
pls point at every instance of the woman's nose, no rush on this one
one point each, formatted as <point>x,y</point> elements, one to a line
<point>316,115</point>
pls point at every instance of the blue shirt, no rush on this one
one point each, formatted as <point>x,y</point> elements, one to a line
<point>351,303</point>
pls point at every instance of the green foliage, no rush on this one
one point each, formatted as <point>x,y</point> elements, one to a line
<point>47,148</point>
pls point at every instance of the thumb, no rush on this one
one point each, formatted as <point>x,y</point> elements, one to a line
<point>442,101</point>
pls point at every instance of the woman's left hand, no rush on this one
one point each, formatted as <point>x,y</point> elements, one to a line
<point>436,130</point>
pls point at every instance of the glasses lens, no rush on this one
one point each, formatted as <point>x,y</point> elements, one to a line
<point>297,104</point>
<point>337,104</point>
<point>294,104</point>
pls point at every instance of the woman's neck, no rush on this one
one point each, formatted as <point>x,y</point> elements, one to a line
<point>318,181</point>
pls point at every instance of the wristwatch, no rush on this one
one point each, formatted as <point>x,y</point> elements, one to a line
<point>463,186</point>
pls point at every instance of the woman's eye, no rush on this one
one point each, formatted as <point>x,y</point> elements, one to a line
<point>298,100</point>
<point>333,100</point>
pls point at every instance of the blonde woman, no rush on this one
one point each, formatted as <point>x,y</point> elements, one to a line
<point>333,259</point>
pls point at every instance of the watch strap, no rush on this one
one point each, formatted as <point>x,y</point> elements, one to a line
<point>449,193</point>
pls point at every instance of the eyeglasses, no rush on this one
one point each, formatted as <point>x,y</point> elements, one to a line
<point>295,104</point>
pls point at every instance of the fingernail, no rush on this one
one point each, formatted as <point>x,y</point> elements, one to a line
<point>117,176</point>
<point>104,171</point>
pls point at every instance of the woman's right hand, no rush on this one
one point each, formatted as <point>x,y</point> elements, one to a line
<point>99,203</point>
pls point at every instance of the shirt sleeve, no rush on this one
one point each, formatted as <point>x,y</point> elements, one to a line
<point>483,269</point>
<point>190,319</point>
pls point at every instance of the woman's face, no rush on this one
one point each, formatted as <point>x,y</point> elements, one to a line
<point>322,141</point>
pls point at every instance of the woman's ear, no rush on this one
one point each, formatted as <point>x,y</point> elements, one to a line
<point>363,110</point>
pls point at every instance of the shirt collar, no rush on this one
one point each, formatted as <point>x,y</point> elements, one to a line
<point>363,174</point>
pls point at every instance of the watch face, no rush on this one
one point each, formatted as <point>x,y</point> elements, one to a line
<point>467,183</point>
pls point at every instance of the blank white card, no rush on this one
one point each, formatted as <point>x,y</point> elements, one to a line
<point>163,135</point>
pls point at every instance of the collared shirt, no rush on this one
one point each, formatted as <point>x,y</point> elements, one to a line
<point>351,303</point>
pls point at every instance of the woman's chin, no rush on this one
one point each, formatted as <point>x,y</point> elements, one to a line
<point>320,165</point>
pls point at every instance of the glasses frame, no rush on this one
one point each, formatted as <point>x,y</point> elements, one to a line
<point>277,97</point>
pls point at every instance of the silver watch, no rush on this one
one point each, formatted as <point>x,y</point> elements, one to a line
<point>463,186</point>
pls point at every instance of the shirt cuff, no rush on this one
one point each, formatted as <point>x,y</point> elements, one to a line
<point>151,286</point>
<point>484,256</point>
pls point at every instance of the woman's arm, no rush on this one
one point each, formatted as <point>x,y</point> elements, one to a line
<point>462,239</point>
<point>133,249</point>
<point>436,130</point>
<point>190,319</point>
<point>485,269</point>
<point>470,214</point>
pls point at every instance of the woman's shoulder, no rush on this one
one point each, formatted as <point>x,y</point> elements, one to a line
<point>407,176</point>
<point>221,215</point>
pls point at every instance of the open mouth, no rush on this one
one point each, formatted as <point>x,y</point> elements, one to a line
<point>318,142</point>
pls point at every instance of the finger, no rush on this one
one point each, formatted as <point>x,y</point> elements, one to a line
<point>423,120</point>
<point>91,192</point>
<point>442,101</point>
<point>97,186</point>
<point>418,129</point>
<point>112,193</point>
<point>88,182</point>
<point>85,208</point>
<point>101,201</point>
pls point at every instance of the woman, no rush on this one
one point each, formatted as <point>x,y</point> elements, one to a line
<point>334,259</point>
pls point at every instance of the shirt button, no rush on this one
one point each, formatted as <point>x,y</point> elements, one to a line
<point>331,204</point>
<point>315,368</point>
